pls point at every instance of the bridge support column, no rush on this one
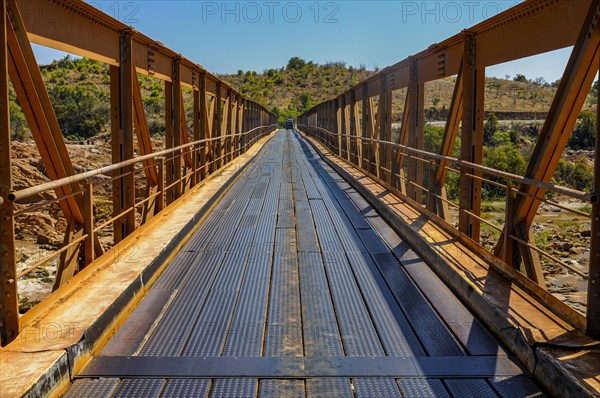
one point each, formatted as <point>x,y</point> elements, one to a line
<point>145,145</point>
<point>416,101</point>
<point>196,126</point>
<point>245,126</point>
<point>593,303</point>
<point>354,126</point>
<point>473,81</point>
<point>217,128</point>
<point>174,173</point>
<point>340,113</point>
<point>34,100</point>
<point>402,140</point>
<point>437,204</point>
<point>384,116</point>
<point>230,106</point>
<point>368,132</point>
<point>210,122</point>
<point>121,96</point>
<point>9,311</point>
<point>568,101</point>
<point>237,128</point>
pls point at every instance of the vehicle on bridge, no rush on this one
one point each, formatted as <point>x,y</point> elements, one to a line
<point>289,125</point>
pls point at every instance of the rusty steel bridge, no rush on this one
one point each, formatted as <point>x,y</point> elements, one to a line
<point>326,260</point>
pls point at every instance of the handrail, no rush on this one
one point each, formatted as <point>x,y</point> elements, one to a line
<point>584,196</point>
<point>27,192</point>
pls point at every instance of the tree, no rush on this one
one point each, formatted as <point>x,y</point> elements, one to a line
<point>584,134</point>
<point>296,63</point>
<point>82,110</point>
<point>305,101</point>
<point>432,138</point>
<point>18,124</point>
<point>489,128</point>
<point>576,174</point>
<point>504,158</point>
<point>520,78</point>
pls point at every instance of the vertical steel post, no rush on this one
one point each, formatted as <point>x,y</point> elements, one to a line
<point>217,128</point>
<point>471,138</point>
<point>385,129</point>
<point>196,124</point>
<point>9,311</point>
<point>122,137</point>
<point>169,142</point>
<point>160,199</point>
<point>593,302</point>
<point>229,127</point>
<point>364,129</point>
<point>340,110</point>
<point>416,106</point>
<point>203,121</point>
<point>177,107</point>
<point>354,123</point>
<point>88,222</point>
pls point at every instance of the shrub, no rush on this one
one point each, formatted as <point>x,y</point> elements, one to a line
<point>82,110</point>
<point>504,158</point>
<point>584,134</point>
<point>576,174</point>
<point>432,138</point>
<point>520,78</point>
<point>489,128</point>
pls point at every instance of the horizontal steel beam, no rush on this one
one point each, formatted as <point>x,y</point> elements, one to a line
<point>528,29</point>
<point>79,28</point>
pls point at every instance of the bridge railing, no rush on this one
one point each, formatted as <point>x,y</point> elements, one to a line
<point>429,196</point>
<point>357,126</point>
<point>91,211</point>
<point>81,250</point>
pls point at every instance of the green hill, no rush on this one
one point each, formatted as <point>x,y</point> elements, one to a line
<point>298,86</point>
<point>80,93</point>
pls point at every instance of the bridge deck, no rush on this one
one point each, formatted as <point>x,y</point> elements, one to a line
<point>287,289</point>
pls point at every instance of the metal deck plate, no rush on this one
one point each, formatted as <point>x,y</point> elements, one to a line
<point>300,367</point>
<point>290,287</point>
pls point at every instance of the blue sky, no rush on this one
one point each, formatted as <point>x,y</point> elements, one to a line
<point>224,36</point>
